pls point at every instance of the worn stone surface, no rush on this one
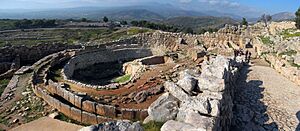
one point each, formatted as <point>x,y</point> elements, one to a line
<point>188,84</point>
<point>115,126</point>
<point>164,108</point>
<point>261,104</point>
<point>141,96</point>
<point>172,125</point>
<point>176,91</point>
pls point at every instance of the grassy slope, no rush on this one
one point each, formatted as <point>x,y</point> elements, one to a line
<point>198,23</point>
<point>69,36</point>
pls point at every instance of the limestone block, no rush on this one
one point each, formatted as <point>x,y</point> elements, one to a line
<point>77,100</point>
<point>106,110</point>
<point>176,91</point>
<point>101,119</point>
<point>89,118</point>
<point>89,106</point>
<point>211,83</point>
<point>71,98</point>
<point>172,125</point>
<point>164,108</point>
<point>142,114</point>
<point>128,114</point>
<point>188,84</point>
<point>66,109</point>
<point>66,94</point>
<point>76,114</point>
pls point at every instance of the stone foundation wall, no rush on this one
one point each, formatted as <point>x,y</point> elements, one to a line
<point>86,59</point>
<point>284,68</point>
<point>78,107</point>
<point>153,60</point>
<point>94,107</point>
<point>28,55</point>
<point>209,109</point>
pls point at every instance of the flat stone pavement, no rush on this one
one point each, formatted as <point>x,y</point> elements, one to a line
<point>265,100</point>
<point>47,124</point>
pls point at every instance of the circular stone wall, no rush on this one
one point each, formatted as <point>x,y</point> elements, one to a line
<point>101,58</point>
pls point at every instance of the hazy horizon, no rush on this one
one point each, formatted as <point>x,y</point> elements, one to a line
<point>237,7</point>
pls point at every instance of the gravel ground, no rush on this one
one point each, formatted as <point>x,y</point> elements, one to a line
<point>265,100</point>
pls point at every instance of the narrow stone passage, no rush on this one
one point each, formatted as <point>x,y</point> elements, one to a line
<point>265,100</point>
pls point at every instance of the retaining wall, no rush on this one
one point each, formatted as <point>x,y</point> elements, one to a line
<point>284,68</point>
<point>86,59</point>
<point>29,55</point>
<point>94,107</point>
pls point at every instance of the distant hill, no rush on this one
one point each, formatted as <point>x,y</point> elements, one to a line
<point>202,22</point>
<point>283,16</point>
<point>152,11</point>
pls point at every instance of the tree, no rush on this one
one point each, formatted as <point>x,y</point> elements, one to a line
<point>83,20</point>
<point>105,19</point>
<point>188,30</point>
<point>244,22</point>
<point>266,18</point>
<point>123,22</point>
<point>298,18</point>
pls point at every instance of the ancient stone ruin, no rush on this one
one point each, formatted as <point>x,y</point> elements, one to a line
<point>185,81</point>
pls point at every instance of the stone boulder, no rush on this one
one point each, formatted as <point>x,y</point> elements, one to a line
<point>199,104</point>
<point>114,126</point>
<point>199,121</point>
<point>172,125</point>
<point>164,108</point>
<point>211,83</point>
<point>141,96</point>
<point>297,59</point>
<point>188,84</point>
<point>217,67</point>
<point>176,91</point>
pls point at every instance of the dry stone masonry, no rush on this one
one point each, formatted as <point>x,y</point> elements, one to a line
<point>192,90</point>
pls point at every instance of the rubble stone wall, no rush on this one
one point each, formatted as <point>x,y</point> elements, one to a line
<point>210,109</point>
<point>284,68</point>
<point>29,55</point>
<point>83,60</point>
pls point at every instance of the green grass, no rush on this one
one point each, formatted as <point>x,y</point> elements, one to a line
<point>288,53</point>
<point>122,79</point>
<point>286,34</point>
<point>266,40</point>
<point>134,31</point>
<point>3,120</point>
<point>63,117</point>
<point>294,64</point>
<point>70,36</point>
<point>3,84</point>
<point>152,126</point>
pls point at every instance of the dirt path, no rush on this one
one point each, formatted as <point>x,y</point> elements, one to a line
<point>265,100</point>
<point>47,124</point>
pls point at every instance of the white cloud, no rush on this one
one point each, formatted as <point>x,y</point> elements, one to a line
<point>185,1</point>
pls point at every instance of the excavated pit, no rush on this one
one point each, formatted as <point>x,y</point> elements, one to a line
<point>100,73</point>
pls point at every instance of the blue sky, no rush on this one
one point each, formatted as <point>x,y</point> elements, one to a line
<point>249,7</point>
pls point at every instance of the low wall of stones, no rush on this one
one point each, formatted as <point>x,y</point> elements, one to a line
<point>209,109</point>
<point>93,107</point>
<point>74,105</point>
<point>82,60</point>
<point>284,67</point>
<point>29,55</point>
<point>70,111</point>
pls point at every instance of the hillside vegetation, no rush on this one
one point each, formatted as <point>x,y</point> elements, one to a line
<point>199,24</point>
